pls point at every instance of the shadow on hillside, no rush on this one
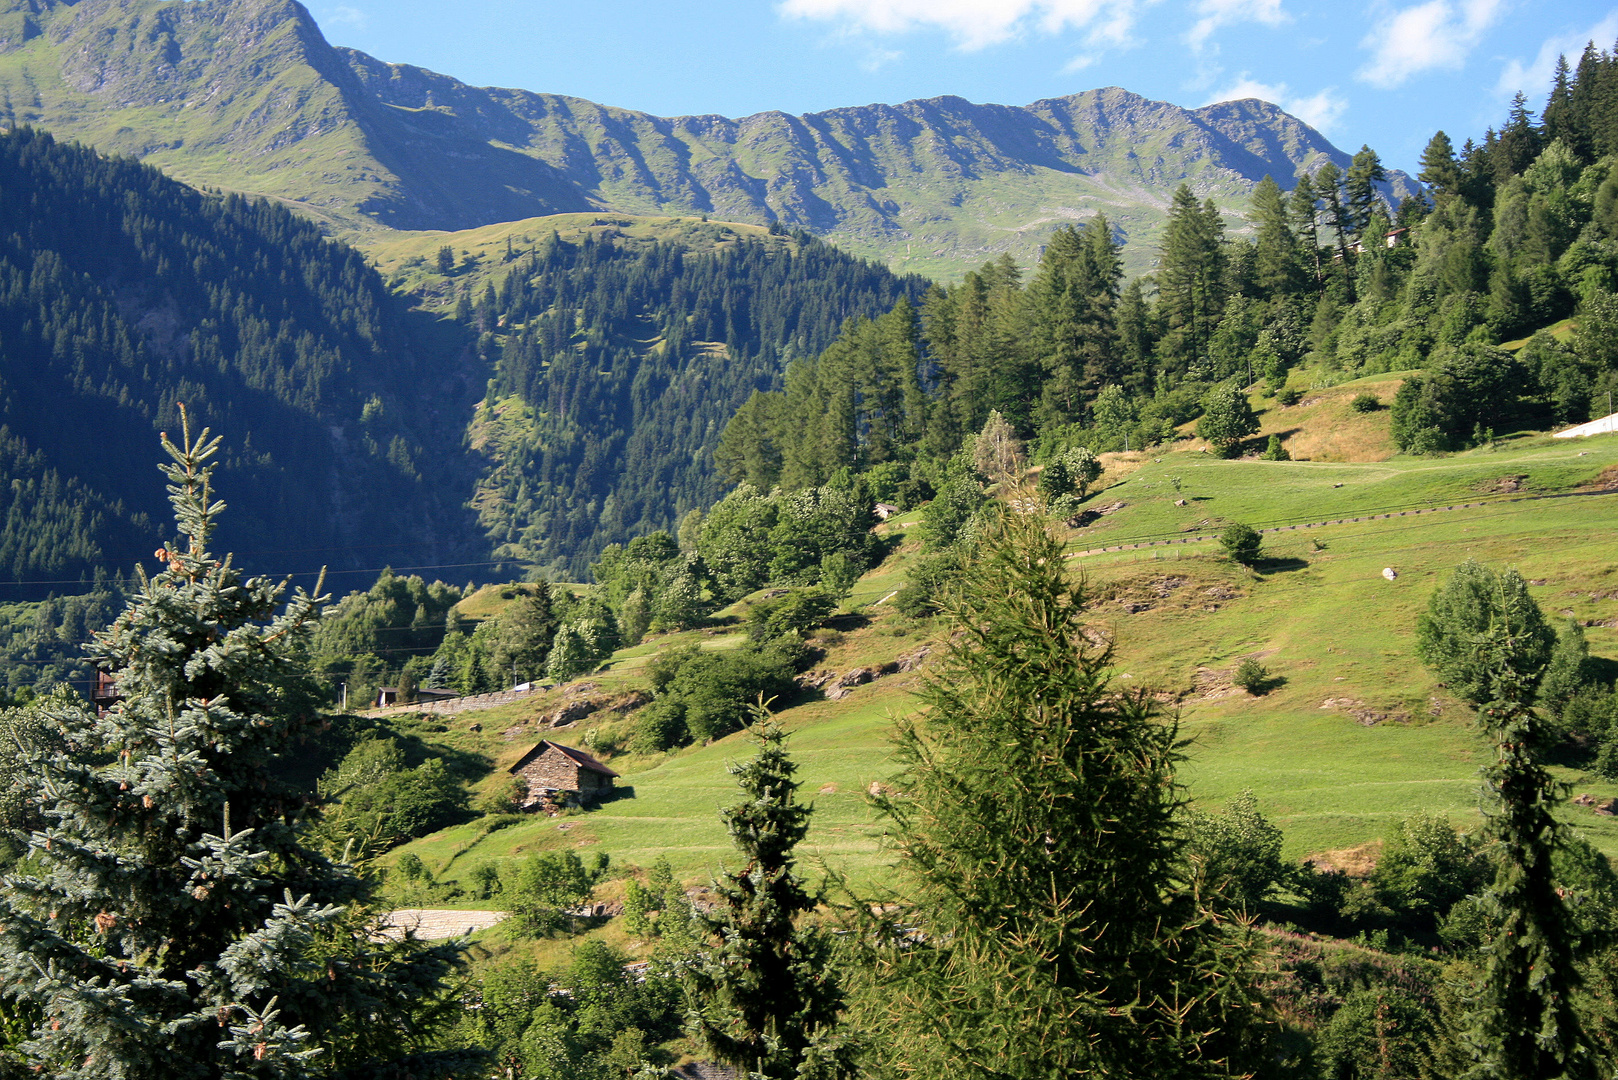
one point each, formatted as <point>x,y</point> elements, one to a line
<point>616,793</point>
<point>1604,669</point>
<point>1269,684</point>
<point>1280,566</point>
<point>849,622</point>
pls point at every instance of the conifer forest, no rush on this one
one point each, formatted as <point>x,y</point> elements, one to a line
<point>627,642</point>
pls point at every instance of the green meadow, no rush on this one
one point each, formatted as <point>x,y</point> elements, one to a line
<point>1353,736</point>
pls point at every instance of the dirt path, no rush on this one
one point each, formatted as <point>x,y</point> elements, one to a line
<point>434,924</point>
<point>1193,538</point>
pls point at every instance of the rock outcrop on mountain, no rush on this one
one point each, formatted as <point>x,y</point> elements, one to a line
<point>248,95</point>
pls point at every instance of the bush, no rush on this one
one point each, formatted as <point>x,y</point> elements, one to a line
<point>1275,451</point>
<point>1241,543</point>
<point>1227,418</point>
<point>930,577</point>
<point>796,613</point>
<point>703,696</point>
<point>1456,637</point>
<point>1378,1031</point>
<point>1289,396</point>
<point>544,890</point>
<point>1238,852</point>
<point>1251,676</point>
<point>1426,868</point>
<point>1365,403</point>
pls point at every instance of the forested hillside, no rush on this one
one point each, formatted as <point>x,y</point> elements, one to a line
<point>123,293</point>
<point>247,95</point>
<point>616,365</point>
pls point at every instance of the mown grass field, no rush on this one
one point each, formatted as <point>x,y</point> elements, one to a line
<point>1355,735</point>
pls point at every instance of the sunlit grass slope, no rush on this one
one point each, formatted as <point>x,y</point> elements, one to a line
<point>1355,736</point>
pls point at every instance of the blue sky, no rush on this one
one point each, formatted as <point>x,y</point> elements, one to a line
<point>1387,73</point>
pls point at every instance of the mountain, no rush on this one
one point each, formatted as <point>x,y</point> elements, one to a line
<point>247,95</point>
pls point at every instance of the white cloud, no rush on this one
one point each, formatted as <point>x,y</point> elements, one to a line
<point>346,16</point>
<point>1320,111</point>
<point>1436,35</point>
<point>1218,13</point>
<point>1534,77</point>
<point>976,24</point>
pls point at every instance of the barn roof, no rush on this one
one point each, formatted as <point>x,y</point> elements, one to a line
<point>578,757</point>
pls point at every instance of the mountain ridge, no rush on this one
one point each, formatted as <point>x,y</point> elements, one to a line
<point>251,97</point>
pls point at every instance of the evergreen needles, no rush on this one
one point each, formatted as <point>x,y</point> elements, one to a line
<point>765,997</point>
<point>1046,927</point>
<point>167,921</point>
<point>1524,1023</point>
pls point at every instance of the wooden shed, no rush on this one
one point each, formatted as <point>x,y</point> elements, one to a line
<point>559,775</point>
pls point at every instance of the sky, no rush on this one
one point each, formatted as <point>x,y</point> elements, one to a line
<point>1384,73</point>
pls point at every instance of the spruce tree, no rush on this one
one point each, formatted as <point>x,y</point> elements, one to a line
<point>168,922</point>
<point>1524,1022</point>
<point>1191,266</point>
<point>1438,169</point>
<point>1042,924</point>
<point>1276,266</point>
<point>765,997</point>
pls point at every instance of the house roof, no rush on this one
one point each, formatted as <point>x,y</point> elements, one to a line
<point>578,757</point>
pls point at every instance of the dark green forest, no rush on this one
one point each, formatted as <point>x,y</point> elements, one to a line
<point>615,369</point>
<point>123,293</point>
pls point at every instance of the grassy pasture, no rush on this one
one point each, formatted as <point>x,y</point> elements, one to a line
<point>1354,736</point>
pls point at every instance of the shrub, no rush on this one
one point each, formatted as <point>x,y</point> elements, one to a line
<point>1289,396</point>
<point>1378,1031</point>
<point>705,695</point>
<point>1426,868</point>
<point>1227,418</point>
<point>1476,620</point>
<point>546,888</point>
<point>1238,852</point>
<point>796,613</point>
<point>1365,403</point>
<point>1251,676</point>
<point>1241,543</point>
<point>1275,451</point>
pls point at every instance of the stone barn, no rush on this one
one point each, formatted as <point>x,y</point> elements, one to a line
<point>559,776</point>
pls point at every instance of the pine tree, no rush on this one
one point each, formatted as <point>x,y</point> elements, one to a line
<point>764,997</point>
<point>1438,169</point>
<point>168,921</point>
<point>1276,267</point>
<point>1360,193</point>
<point>1560,118</point>
<point>1524,1021</point>
<point>1304,211</point>
<point>1191,265</point>
<point>1046,927</point>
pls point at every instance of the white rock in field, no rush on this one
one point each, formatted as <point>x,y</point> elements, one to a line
<point>1389,572</point>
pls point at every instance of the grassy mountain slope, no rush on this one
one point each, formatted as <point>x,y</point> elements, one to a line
<point>1356,736</point>
<point>247,95</point>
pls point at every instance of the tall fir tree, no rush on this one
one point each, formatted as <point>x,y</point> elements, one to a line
<point>1191,271</point>
<point>1046,926</point>
<point>1276,268</point>
<point>168,922</point>
<point>765,997</point>
<point>1438,168</point>
<point>1524,1021</point>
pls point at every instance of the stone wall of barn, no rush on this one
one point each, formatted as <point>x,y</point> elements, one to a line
<point>555,771</point>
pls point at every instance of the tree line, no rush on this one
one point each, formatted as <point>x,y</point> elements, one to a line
<point>1519,233</point>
